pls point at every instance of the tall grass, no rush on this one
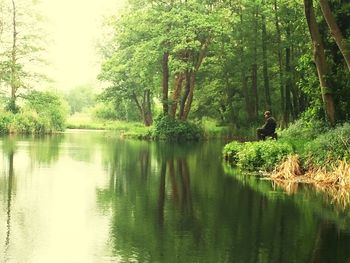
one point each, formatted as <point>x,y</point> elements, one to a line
<point>124,129</point>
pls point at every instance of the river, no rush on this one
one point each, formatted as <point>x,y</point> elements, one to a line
<point>91,197</point>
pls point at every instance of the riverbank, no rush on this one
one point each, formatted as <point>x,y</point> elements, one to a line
<point>205,129</point>
<point>318,158</point>
<point>333,181</point>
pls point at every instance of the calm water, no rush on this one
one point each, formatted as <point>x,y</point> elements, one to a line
<point>88,197</point>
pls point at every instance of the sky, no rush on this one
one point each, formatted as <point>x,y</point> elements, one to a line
<point>73,28</point>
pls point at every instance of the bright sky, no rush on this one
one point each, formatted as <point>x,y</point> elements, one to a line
<point>74,27</point>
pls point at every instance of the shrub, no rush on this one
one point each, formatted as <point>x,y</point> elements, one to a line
<point>104,111</point>
<point>258,155</point>
<point>24,122</point>
<point>5,120</point>
<point>303,129</point>
<point>50,109</point>
<point>167,128</point>
<point>329,147</point>
<point>231,151</point>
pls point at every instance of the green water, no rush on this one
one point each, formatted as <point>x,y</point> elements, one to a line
<point>89,197</point>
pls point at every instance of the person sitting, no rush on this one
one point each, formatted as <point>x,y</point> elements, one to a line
<point>268,129</point>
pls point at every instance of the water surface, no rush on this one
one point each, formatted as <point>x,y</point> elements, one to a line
<point>90,197</point>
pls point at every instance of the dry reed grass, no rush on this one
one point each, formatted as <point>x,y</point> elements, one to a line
<point>290,169</point>
<point>337,175</point>
<point>335,181</point>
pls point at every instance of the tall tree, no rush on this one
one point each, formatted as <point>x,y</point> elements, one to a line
<point>280,62</point>
<point>268,105</point>
<point>320,61</point>
<point>165,83</point>
<point>335,31</point>
<point>20,49</point>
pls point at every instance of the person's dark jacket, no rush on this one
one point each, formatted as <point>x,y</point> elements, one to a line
<point>270,126</point>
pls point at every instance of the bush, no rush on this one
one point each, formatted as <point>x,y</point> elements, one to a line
<point>258,155</point>
<point>303,129</point>
<point>231,151</point>
<point>50,111</point>
<point>24,123</point>
<point>5,121</point>
<point>167,128</point>
<point>43,112</point>
<point>329,147</point>
<point>104,111</point>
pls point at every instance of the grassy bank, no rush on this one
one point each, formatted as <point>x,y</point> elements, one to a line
<point>162,129</point>
<point>127,129</point>
<point>305,153</point>
<point>30,122</point>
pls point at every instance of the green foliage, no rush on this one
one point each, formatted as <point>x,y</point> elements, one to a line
<point>26,123</point>
<point>257,155</point>
<point>212,129</point>
<point>329,147</point>
<point>5,120</point>
<point>166,128</point>
<point>50,108</point>
<point>79,98</point>
<point>231,151</point>
<point>21,49</point>
<point>144,33</point>
<point>104,111</point>
<point>304,129</point>
<point>115,109</point>
<point>11,106</point>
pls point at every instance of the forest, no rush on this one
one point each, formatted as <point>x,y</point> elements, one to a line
<point>180,70</point>
<point>227,61</point>
<point>231,60</point>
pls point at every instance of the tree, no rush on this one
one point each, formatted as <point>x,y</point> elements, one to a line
<point>163,44</point>
<point>20,48</point>
<point>228,60</point>
<point>320,61</point>
<point>335,31</point>
<point>80,97</point>
<point>131,64</point>
<point>268,105</point>
<point>49,107</point>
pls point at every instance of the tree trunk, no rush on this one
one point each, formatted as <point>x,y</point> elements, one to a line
<point>14,74</point>
<point>232,113</point>
<point>185,94</point>
<point>188,104</point>
<point>255,90</point>
<point>245,91</point>
<point>255,69</point>
<point>320,61</point>
<point>165,83</point>
<point>288,84</point>
<point>13,52</point>
<point>335,31</point>
<point>265,68</point>
<point>177,92</point>
<point>280,64</point>
<point>198,63</point>
<point>138,105</point>
<point>146,109</point>
<point>294,89</point>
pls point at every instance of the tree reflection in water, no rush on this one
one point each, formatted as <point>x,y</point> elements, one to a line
<point>175,204</point>
<point>9,151</point>
<point>150,192</point>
